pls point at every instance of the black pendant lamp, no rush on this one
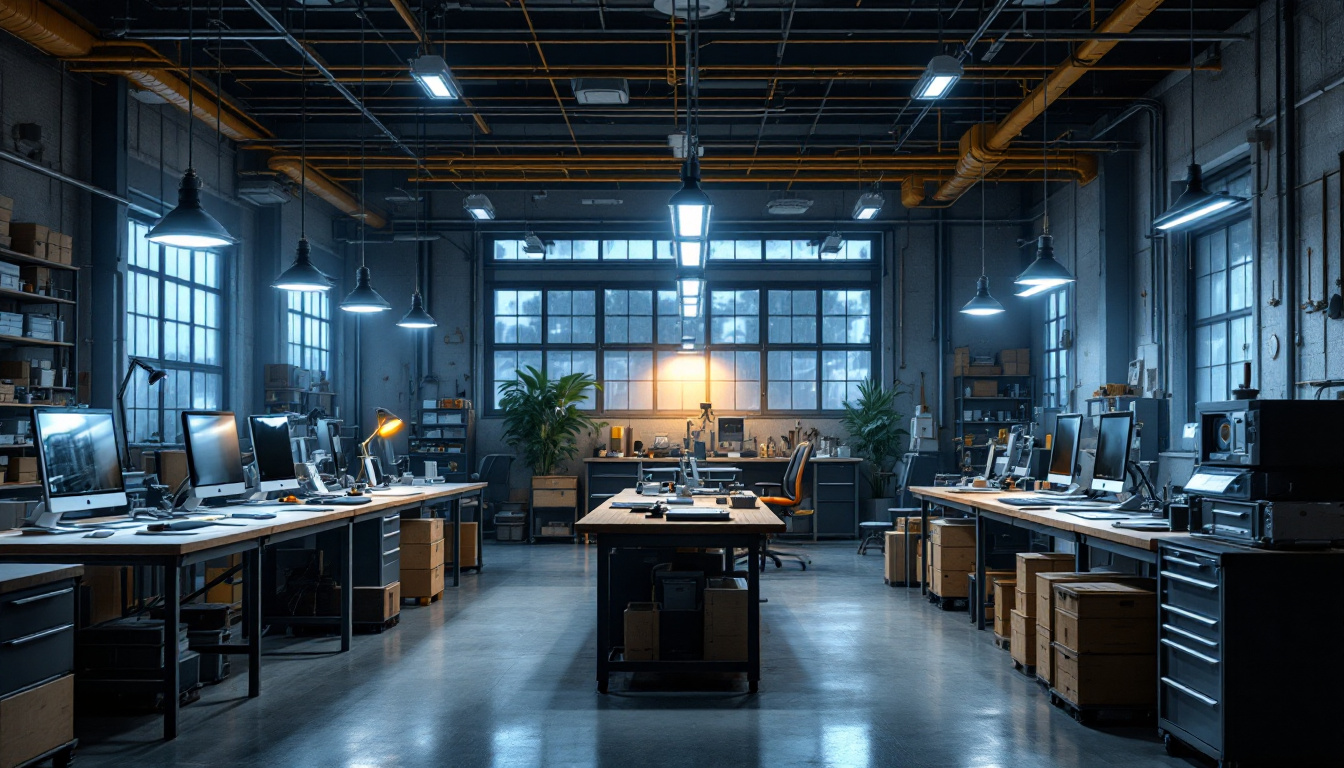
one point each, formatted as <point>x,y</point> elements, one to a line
<point>982,304</point>
<point>363,299</point>
<point>189,225</point>
<point>417,317</point>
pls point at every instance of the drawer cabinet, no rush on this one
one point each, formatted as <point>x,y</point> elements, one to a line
<point>1229,617</point>
<point>377,554</point>
<point>37,634</point>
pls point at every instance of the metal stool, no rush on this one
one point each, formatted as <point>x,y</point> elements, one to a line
<point>876,531</point>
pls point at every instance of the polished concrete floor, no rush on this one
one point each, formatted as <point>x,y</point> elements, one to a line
<point>501,672</point>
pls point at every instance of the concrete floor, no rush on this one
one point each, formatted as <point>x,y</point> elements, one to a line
<point>501,672</point>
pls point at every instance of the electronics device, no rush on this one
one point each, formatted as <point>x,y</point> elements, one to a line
<point>991,458</point>
<point>373,471</point>
<point>343,501</point>
<point>1269,524</point>
<point>1115,435</point>
<point>1047,501</point>
<point>273,453</point>
<point>732,433</point>
<point>1019,458</point>
<point>80,461</point>
<point>1064,448</point>
<point>214,460</point>
<point>1271,434</point>
<point>1003,460</point>
<point>329,440</point>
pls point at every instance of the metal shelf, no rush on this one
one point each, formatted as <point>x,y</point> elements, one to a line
<point>31,298</point>
<point>15,257</point>
<point>25,341</point>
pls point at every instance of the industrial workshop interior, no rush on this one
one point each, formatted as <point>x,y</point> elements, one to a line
<point>412,383</point>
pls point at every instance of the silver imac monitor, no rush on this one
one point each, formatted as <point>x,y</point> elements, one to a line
<point>214,459</point>
<point>329,440</point>
<point>1114,435</point>
<point>1064,448</point>
<point>80,460</point>
<point>993,452</point>
<point>273,453</point>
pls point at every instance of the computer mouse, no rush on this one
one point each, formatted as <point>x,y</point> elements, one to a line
<point>98,534</point>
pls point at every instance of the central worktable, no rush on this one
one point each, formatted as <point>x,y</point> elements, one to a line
<point>247,537</point>
<point>614,528</point>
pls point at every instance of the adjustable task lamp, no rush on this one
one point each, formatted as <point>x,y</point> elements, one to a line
<point>389,424</point>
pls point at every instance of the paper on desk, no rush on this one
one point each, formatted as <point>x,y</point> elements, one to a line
<point>1209,483</point>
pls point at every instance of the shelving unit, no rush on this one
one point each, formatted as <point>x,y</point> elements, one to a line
<point>983,430</point>
<point>61,353</point>
<point>290,400</point>
<point>447,436</point>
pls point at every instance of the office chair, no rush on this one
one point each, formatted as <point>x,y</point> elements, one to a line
<point>494,471</point>
<point>786,505</point>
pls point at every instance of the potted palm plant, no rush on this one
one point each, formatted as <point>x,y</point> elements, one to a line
<point>875,433</point>
<point>543,422</point>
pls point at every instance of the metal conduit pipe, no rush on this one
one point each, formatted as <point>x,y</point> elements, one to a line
<point>983,145</point>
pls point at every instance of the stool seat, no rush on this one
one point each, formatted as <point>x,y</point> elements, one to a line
<point>876,526</point>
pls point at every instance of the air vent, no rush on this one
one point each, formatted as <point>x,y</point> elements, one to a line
<point>595,90</point>
<point>261,190</point>
<point>788,206</point>
<point>602,201</point>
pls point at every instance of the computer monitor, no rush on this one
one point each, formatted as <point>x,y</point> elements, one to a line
<point>989,462</point>
<point>387,456</point>
<point>1002,463</point>
<point>1019,462</point>
<point>273,453</point>
<point>80,459</point>
<point>1064,448</point>
<point>1114,436</point>
<point>214,460</point>
<point>329,440</point>
<point>732,431</point>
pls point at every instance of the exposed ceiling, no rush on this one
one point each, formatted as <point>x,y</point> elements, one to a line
<point>793,93</point>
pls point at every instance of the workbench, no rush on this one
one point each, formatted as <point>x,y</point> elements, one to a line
<point>833,484</point>
<point>613,528</point>
<point>174,551</point>
<point>988,507</point>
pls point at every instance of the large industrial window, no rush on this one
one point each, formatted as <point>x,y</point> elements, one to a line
<point>1055,390</point>
<point>174,317</point>
<point>1224,297</point>
<point>859,249</point>
<point>308,330</point>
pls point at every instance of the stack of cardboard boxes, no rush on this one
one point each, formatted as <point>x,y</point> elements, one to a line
<point>893,550</point>
<point>1005,603</point>
<point>726,620</point>
<point>1045,610</point>
<point>1022,639</point>
<point>641,632</point>
<point>21,469</point>
<point>1016,362</point>
<point>466,546</point>
<point>40,241</point>
<point>1011,362</point>
<point>422,558</point>
<point>1105,646</point>
<point>951,557</point>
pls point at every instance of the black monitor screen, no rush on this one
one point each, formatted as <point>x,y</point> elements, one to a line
<point>1113,438</point>
<point>212,448</point>
<point>732,430</point>
<point>271,447</point>
<point>1064,446</point>
<point>79,452</point>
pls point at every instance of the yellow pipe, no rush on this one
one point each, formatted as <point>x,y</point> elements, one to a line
<point>983,145</point>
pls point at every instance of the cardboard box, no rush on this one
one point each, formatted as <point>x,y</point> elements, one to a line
<point>1025,602</point>
<point>421,557</point>
<point>953,559</point>
<point>466,545</point>
<point>725,614</point>
<point>985,370</point>
<point>21,469</point>
<point>1004,601</point>
<point>1102,679</point>
<point>1045,588</point>
<point>912,524</point>
<point>566,499</point>
<point>1104,635</point>
<point>555,482</point>
<point>422,583</point>
<point>29,238</point>
<point>37,721</point>
<point>1045,656</point>
<point>16,370</point>
<point>641,632</point>
<point>893,550</point>
<point>375,605</point>
<point>172,467</point>
<point>952,533</point>
<point>1031,563</point>
<point>282,375</point>
<point>38,277</point>
<point>224,592</point>
<point>984,388</point>
<point>1106,600</point>
<point>1022,639</point>
<point>421,530</point>
<point>948,583</point>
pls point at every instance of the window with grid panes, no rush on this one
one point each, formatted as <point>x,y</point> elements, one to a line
<point>1055,390</point>
<point>308,330</point>
<point>569,318</point>
<point>1224,298</point>
<point>174,321</point>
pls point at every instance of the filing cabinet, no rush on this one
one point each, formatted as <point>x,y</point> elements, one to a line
<point>377,551</point>
<point>37,659</point>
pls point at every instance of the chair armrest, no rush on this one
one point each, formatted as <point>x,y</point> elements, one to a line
<point>768,485</point>
<point>475,475</point>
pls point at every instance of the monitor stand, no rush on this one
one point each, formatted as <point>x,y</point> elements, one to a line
<point>46,521</point>
<point>1133,504</point>
<point>1072,490</point>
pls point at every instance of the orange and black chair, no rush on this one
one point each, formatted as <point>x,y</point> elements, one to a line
<point>786,504</point>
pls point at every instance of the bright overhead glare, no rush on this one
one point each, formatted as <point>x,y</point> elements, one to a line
<point>479,207</point>
<point>189,225</point>
<point>302,275</point>
<point>1045,272</point>
<point>942,73</point>
<point>434,76</point>
<point>868,206</point>
<point>690,206</point>
<point>982,304</point>
<point>690,254</point>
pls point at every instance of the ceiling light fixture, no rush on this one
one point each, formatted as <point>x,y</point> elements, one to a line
<point>1195,204</point>
<point>363,299</point>
<point>479,207</point>
<point>1045,273</point>
<point>418,318</point>
<point>189,225</point>
<point>788,206</point>
<point>832,243</point>
<point>533,244</point>
<point>302,275</point>
<point>690,207</point>
<point>432,73</point>
<point>982,304</point>
<point>868,206</point>
<point>939,76</point>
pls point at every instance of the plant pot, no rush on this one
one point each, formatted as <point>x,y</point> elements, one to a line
<point>876,509</point>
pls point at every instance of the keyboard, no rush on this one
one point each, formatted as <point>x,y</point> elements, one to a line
<point>1093,513</point>
<point>339,500</point>
<point>1046,501</point>
<point>698,514</point>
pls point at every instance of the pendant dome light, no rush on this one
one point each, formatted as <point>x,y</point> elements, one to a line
<point>302,275</point>
<point>363,299</point>
<point>189,225</point>
<point>1044,274</point>
<point>691,207</point>
<point>417,318</point>
<point>1195,204</point>
<point>982,304</point>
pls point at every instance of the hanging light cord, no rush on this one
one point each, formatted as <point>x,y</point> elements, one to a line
<point>363,182</point>
<point>303,133</point>
<point>1192,82</point>
<point>983,271</point>
<point>191,80</point>
<point>1045,123</point>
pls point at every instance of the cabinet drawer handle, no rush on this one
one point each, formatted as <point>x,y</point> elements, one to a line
<point>1191,635</point>
<point>390,534</point>
<point>1190,692</point>
<point>39,635</point>
<point>1182,561</point>
<point>392,552</point>
<point>1189,580</point>
<point>46,596</point>
<point>1205,620</point>
<point>1202,657</point>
